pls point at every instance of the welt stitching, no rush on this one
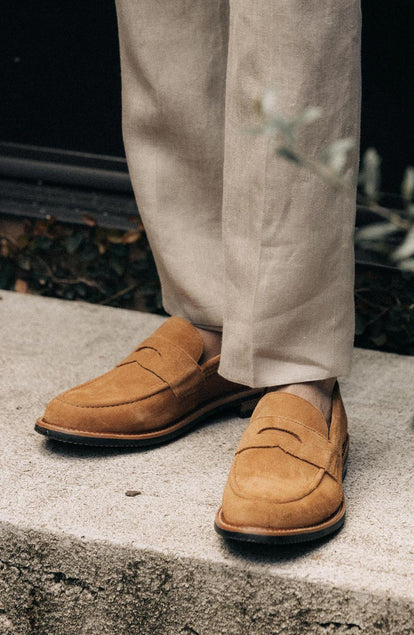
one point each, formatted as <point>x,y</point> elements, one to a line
<point>288,531</point>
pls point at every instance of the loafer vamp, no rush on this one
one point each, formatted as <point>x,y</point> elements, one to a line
<point>312,509</point>
<point>123,384</point>
<point>276,477</point>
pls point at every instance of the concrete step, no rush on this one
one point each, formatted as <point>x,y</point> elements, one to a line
<point>78,556</point>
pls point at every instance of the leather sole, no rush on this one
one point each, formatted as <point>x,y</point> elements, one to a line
<point>271,536</point>
<point>243,405</point>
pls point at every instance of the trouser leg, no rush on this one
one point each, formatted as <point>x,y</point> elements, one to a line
<point>287,235</point>
<point>285,291</point>
<point>173,64</point>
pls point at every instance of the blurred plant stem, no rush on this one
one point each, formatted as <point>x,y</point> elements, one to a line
<point>331,165</point>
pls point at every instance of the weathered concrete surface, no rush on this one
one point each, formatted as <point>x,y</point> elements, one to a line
<point>77,556</point>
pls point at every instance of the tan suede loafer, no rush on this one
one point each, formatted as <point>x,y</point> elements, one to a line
<point>157,393</point>
<point>285,483</point>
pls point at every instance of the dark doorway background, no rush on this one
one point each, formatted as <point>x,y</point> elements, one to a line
<point>60,78</point>
<point>60,75</point>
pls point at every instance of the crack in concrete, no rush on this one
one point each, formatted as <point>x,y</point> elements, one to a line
<point>348,625</point>
<point>57,576</point>
<point>189,629</point>
<point>344,626</point>
<point>60,577</point>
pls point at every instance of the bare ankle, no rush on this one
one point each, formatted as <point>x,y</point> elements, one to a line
<point>212,344</point>
<point>319,393</point>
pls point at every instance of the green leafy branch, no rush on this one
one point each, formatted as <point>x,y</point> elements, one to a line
<point>330,165</point>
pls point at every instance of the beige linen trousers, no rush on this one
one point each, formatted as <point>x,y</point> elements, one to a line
<point>243,240</point>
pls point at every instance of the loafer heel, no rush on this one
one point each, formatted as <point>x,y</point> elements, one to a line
<point>245,409</point>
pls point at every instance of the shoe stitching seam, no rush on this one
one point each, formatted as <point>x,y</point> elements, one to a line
<point>86,383</point>
<point>310,404</point>
<point>173,346</point>
<point>126,403</point>
<point>123,403</point>
<point>133,436</point>
<point>293,421</point>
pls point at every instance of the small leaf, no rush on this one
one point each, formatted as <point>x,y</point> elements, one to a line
<point>406,265</point>
<point>406,249</point>
<point>284,126</point>
<point>370,175</point>
<point>114,237</point>
<point>336,153</point>
<point>380,339</point>
<point>136,219</point>
<point>376,231</point>
<point>117,266</point>
<point>309,115</point>
<point>407,185</point>
<point>268,103</point>
<point>72,242</point>
<point>131,236</point>
<point>360,324</point>
<point>88,220</point>
<point>4,248</point>
<point>21,286</point>
<point>23,261</point>
<point>288,154</point>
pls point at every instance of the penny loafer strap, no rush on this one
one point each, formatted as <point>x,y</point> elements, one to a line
<point>168,362</point>
<point>293,438</point>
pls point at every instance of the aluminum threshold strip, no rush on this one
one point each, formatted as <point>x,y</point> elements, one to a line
<point>67,203</point>
<point>63,167</point>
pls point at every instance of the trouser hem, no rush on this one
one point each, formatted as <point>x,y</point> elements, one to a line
<point>283,378</point>
<point>179,312</point>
